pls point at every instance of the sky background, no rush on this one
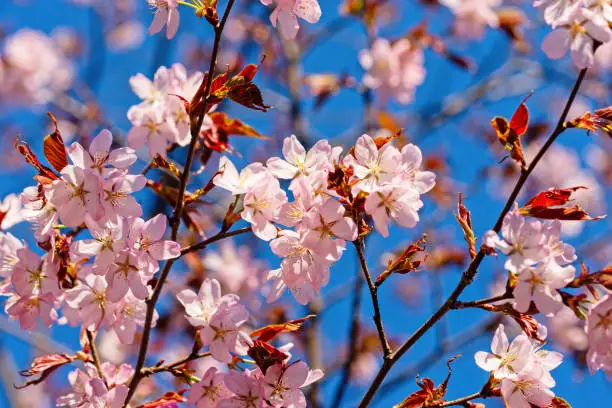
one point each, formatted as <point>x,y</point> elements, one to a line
<point>340,120</point>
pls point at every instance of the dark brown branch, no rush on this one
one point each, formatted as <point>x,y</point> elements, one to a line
<point>468,275</point>
<point>178,210</point>
<point>480,302</point>
<point>95,356</point>
<point>374,295</point>
<point>353,337</point>
<point>219,236</point>
<point>170,367</point>
<point>462,401</point>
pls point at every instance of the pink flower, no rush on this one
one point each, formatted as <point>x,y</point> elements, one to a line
<point>10,211</point>
<point>599,330</point>
<point>281,384</point>
<point>298,162</point>
<point>287,12</point>
<point>410,170</point>
<point>373,167</point>
<point>87,303</point>
<point>27,309</point>
<point>234,266</point>
<point>166,13</point>
<point>473,16</point>
<point>146,237</point>
<point>201,306</point>
<point>523,390</point>
<point>108,239</point>
<point>389,202</point>
<point>89,390</point>
<point>75,195</point>
<point>33,275</point>
<point>127,316</point>
<point>393,69</point>
<point>293,213</point>
<point>222,333</point>
<point>116,198</point>
<point>328,220</point>
<point>152,130</point>
<point>125,274</point>
<point>577,31</point>
<point>556,10</point>
<point>523,241</point>
<point>209,391</point>
<point>230,180</point>
<point>540,283</point>
<point>247,391</point>
<point>262,204</point>
<point>506,359</point>
<point>100,156</point>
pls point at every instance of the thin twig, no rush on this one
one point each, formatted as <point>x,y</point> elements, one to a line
<point>95,356</point>
<point>469,274</point>
<point>480,302</point>
<point>219,236</point>
<point>353,336</point>
<point>178,210</point>
<point>462,401</point>
<point>170,367</point>
<point>374,295</point>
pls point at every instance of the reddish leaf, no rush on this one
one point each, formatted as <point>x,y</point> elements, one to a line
<point>269,332</point>
<point>528,324</point>
<point>265,355</point>
<point>45,175</point>
<point>464,218</point>
<point>44,365</point>
<point>410,260</point>
<point>548,205</point>
<point>217,138</point>
<point>558,402</point>
<point>168,400</point>
<point>509,134</point>
<point>54,148</point>
<point>429,395</point>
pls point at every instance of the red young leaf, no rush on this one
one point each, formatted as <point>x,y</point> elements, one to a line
<point>528,324</point>
<point>168,400</point>
<point>558,402</point>
<point>548,205</point>
<point>269,332</point>
<point>265,355</point>
<point>410,260</point>
<point>429,395</point>
<point>520,120</point>
<point>464,218</point>
<point>44,366</point>
<point>54,148</point>
<point>217,138</point>
<point>45,175</point>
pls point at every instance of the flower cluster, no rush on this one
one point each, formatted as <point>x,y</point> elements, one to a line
<point>472,17</point>
<point>219,319</point>
<point>390,180</point>
<point>577,25</point>
<point>279,386</point>
<point>91,390</point>
<point>393,68</point>
<point>161,119</point>
<point>537,258</point>
<point>599,330</point>
<point>286,14</point>
<point>33,69</point>
<point>97,280</point>
<point>523,369</point>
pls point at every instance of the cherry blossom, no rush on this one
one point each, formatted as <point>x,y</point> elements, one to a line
<point>599,330</point>
<point>26,309</point>
<point>524,391</point>
<point>298,161</point>
<point>287,12</point>
<point>506,358</point>
<point>75,195</point>
<point>393,69</point>
<point>556,10</point>
<point>238,183</point>
<point>209,391</point>
<point>473,16</point>
<point>10,211</point>
<point>166,14</point>
<point>373,166</point>
<point>577,31</point>
<point>126,274</point>
<point>146,239</point>
<point>248,392</point>
<point>390,202</point>
<point>262,203</point>
<point>100,156</point>
<point>281,383</point>
<point>89,390</point>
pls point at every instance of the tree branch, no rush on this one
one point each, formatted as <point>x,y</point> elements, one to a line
<point>374,294</point>
<point>178,210</point>
<point>480,302</point>
<point>468,275</point>
<point>462,401</point>
<point>218,237</point>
